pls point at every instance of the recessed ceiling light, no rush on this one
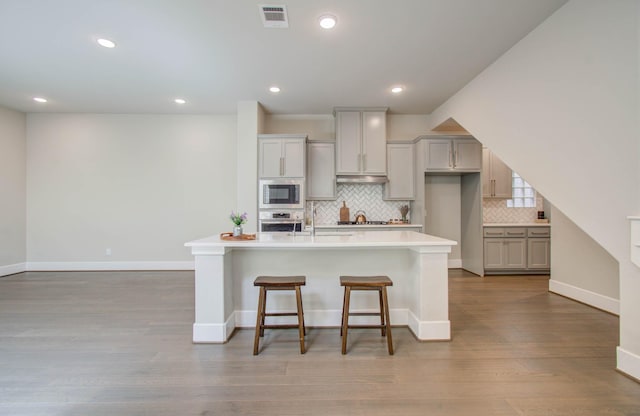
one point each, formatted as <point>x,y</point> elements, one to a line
<point>328,21</point>
<point>397,90</point>
<point>180,101</point>
<point>106,43</point>
<point>274,89</point>
<point>39,99</point>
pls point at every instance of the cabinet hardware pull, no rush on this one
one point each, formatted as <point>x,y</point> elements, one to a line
<point>455,158</point>
<point>364,162</point>
<point>450,159</point>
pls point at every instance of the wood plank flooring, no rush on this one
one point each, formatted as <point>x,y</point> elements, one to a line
<point>119,343</point>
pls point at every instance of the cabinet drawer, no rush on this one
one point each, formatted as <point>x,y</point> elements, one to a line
<point>539,232</point>
<point>493,232</point>
<point>515,232</point>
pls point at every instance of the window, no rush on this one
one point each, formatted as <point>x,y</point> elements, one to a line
<point>523,195</point>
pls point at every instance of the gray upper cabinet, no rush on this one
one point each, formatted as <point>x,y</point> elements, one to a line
<point>361,140</point>
<point>321,171</point>
<point>281,156</point>
<point>400,171</point>
<point>452,154</point>
<point>496,176</point>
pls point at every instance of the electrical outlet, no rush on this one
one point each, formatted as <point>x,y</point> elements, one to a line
<point>107,252</point>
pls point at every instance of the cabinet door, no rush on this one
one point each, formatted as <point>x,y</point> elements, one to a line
<point>494,253</point>
<point>374,143</point>
<point>348,142</point>
<point>515,253</point>
<point>502,181</point>
<point>294,158</point>
<point>467,155</point>
<point>270,163</point>
<point>438,155</point>
<point>487,180</point>
<point>321,177</point>
<point>400,172</point>
<point>539,250</point>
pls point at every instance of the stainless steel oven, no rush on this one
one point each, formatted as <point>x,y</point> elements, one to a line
<point>281,194</point>
<point>281,221</point>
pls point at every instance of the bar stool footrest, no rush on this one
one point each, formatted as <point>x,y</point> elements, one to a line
<point>283,326</point>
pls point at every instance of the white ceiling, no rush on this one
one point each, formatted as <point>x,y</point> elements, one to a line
<point>215,53</point>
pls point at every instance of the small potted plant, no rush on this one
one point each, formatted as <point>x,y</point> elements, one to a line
<point>238,219</point>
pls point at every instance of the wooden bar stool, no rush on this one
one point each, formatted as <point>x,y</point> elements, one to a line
<point>378,283</point>
<point>267,283</point>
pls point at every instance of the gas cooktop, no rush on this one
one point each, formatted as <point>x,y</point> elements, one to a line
<point>362,223</point>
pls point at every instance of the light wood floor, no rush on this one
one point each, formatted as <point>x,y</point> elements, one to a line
<point>104,343</point>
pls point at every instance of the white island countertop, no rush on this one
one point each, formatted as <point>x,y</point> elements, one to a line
<point>516,224</point>
<point>329,239</point>
<point>373,227</point>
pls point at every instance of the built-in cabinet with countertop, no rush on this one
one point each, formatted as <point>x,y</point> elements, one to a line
<point>321,171</point>
<point>361,141</point>
<point>517,249</point>
<point>400,172</point>
<point>281,155</point>
<point>452,154</point>
<point>496,176</point>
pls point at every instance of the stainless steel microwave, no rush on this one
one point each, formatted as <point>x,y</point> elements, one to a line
<point>281,193</point>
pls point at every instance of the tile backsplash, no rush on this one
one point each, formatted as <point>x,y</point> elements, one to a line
<point>496,210</point>
<point>366,197</point>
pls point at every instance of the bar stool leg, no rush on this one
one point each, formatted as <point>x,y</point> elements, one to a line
<point>345,318</point>
<point>385,300</point>
<point>383,327</point>
<point>344,299</point>
<point>263,313</point>
<point>259,320</point>
<point>301,328</point>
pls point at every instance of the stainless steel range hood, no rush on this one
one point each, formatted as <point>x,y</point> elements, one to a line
<point>361,179</point>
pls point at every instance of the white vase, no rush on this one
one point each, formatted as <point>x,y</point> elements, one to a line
<point>237,231</point>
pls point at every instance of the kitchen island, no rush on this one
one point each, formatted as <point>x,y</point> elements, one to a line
<point>225,297</point>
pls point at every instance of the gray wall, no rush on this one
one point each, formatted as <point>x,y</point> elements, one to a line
<point>13,173</point>
<point>580,266</point>
<point>140,185</point>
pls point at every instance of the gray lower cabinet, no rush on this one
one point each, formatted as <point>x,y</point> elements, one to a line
<point>516,250</point>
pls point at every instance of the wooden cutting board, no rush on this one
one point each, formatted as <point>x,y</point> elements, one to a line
<point>344,212</point>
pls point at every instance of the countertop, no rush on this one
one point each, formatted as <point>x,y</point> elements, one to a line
<point>367,226</point>
<point>519,224</point>
<point>354,239</point>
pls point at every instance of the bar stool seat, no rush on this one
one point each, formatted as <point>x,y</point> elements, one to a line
<point>378,283</point>
<point>267,283</point>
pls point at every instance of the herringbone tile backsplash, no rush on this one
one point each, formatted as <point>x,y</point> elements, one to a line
<point>495,210</point>
<point>366,197</point>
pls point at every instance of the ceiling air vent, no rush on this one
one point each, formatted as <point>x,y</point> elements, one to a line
<point>274,16</point>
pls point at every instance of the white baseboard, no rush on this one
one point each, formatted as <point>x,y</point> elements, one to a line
<point>13,269</point>
<point>109,265</point>
<point>213,333</point>
<point>454,263</point>
<point>628,363</point>
<point>596,300</point>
